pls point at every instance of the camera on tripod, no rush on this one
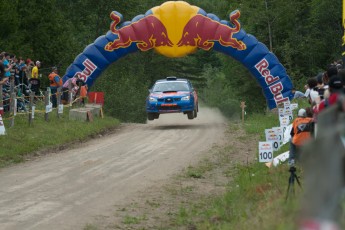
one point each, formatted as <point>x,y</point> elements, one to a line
<point>292,178</point>
<point>292,169</point>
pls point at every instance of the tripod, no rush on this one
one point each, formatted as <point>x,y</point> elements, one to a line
<point>292,178</point>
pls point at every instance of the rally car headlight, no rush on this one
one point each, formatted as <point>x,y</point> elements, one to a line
<point>186,98</point>
<point>152,99</point>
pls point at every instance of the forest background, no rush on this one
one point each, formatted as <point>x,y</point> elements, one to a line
<point>305,35</point>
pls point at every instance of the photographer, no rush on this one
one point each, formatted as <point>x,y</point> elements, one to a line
<point>302,128</point>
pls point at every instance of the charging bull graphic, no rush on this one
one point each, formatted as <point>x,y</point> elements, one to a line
<point>155,34</point>
<point>176,29</point>
<point>196,34</point>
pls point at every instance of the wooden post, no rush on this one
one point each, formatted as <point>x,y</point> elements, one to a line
<point>243,106</point>
<point>12,108</point>
<point>32,96</point>
<point>70,93</point>
<point>78,94</point>
<point>12,97</point>
<point>11,84</point>
<point>58,100</point>
<point>46,102</point>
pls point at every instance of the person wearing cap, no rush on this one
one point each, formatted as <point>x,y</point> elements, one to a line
<point>302,128</point>
<point>34,71</point>
<point>55,82</point>
<point>29,65</point>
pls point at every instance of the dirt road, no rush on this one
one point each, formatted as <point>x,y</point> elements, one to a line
<point>70,188</point>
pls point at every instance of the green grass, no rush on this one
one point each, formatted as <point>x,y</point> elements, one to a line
<point>90,227</point>
<point>256,198</point>
<point>130,220</point>
<point>22,139</point>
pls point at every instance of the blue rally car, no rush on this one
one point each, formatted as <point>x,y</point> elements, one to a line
<point>172,95</point>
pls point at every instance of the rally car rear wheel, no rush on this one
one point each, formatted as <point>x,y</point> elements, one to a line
<point>150,116</point>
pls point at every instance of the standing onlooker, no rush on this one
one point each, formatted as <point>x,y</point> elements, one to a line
<point>335,87</point>
<point>65,89</point>
<point>2,67</point>
<point>331,71</point>
<point>30,64</point>
<point>320,85</point>
<point>6,61</point>
<point>14,63</point>
<point>55,82</point>
<point>313,94</point>
<point>83,93</point>
<point>23,79</point>
<point>339,64</point>
<point>3,79</point>
<point>34,72</point>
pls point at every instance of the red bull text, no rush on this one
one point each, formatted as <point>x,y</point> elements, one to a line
<point>90,67</point>
<point>276,88</point>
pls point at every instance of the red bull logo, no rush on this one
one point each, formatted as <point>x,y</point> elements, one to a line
<point>187,32</point>
<point>202,32</point>
<point>90,67</point>
<point>155,34</point>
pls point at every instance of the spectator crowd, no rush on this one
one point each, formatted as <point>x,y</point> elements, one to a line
<point>321,91</point>
<point>26,77</point>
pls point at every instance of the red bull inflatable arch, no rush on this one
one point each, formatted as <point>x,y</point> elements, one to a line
<point>176,29</point>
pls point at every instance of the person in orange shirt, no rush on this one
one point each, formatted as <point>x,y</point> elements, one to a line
<point>301,132</point>
<point>55,82</point>
<point>83,93</point>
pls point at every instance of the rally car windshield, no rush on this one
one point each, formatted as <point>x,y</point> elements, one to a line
<point>170,86</point>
